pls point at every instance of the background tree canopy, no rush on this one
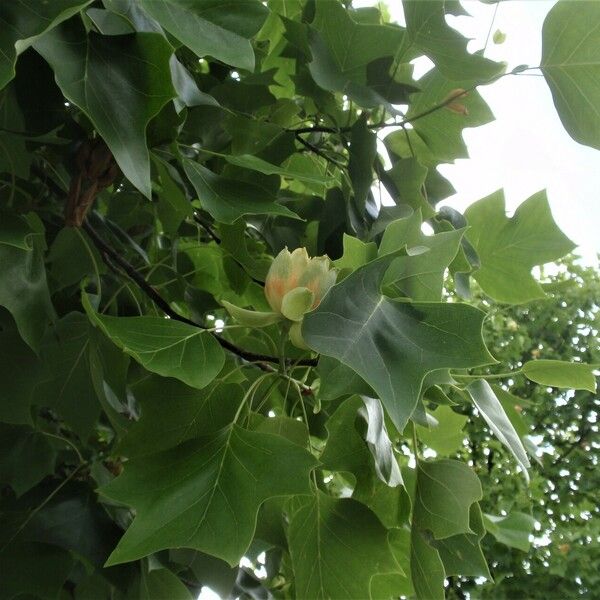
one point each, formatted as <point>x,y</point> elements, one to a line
<point>179,408</point>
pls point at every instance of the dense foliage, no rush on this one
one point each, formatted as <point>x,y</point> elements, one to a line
<point>184,402</point>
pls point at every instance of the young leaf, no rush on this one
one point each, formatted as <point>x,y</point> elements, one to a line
<point>23,22</point>
<point>88,69</point>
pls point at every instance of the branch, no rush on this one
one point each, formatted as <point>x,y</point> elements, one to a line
<point>318,151</point>
<point>110,255</point>
<point>376,126</point>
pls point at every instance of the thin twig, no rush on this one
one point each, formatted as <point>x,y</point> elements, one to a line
<point>109,255</point>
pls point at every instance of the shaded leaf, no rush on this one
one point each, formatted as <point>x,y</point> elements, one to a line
<point>205,493</point>
<point>120,82</point>
<point>227,199</point>
<point>173,413</point>
<point>209,27</point>
<point>23,21</point>
<point>329,538</point>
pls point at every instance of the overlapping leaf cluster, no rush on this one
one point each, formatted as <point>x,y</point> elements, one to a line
<point>151,445</point>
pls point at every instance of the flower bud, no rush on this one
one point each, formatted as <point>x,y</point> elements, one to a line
<point>293,270</point>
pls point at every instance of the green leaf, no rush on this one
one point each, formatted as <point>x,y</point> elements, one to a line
<point>34,570</point>
<point>407,177</point>
<point>23,286</point>
<point>15,231</point>
<point>512,530</point>
<point>509,248</point>
<point>419,276</point>
<point>205,493</point>
<point>330,538</point>
<point>447,437</point>
<point>461,554</point>
<point>556,373</point>
<point>362,153</point>
<point>347,451</point>
<point>571,66</point>
<point>66,384</point>
<point>291,429</point>
<point>209,27</point>
<point>227,199</point>
<point>446,490</point>
<point>19,372</point>
<point>119,82</point>
<point>254,163</point>
<point>379,443</point>
<point>354,45</point>
<point>428,32</point>
<point>162,583</point>
<point>356,253</point>
<point>173,413</point>
<point>165,346</point>
<point>393,344</point>
<point>426,568</point>
<point>23,22</point>
<point>491,410</point>
<point>26,457</point>
<point>442,129</point>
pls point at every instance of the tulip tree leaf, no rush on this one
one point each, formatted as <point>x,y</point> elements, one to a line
<point>509,248</point>
<point>347,451</point>
<point>428,31</point>
<point>571,66</point>
<point>491,410</point>
<point>575,376</point>
<point>419,276</point>
<point>511,530</point>
<point>461,554</point>
<point>329,538</point>
<point>23,22</point>
<point>426,568</point>
<point>86,68</point>
<point>173,413</point>
<point>205,493</point>
<point>227,199</point>
<point>447,437</point>
<point>26,457</point>
<point>393,344</point>
<point>445,491</point>
<point>65,384</point>
<point>442,129</point>
<point>209,27</point>
<point>165,346</point>
<point>23,285</point>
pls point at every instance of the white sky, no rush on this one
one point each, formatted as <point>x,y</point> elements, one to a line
<point>526,148</point>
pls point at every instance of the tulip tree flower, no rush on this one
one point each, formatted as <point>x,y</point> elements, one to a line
<point>295,284</point>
